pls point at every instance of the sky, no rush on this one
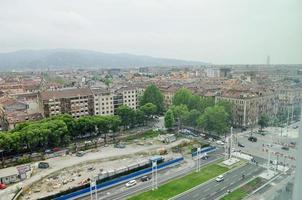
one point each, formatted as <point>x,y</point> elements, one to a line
<point>215,31</point>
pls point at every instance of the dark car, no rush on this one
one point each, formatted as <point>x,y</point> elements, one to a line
<point>145,178</point>
<point>252,139</point>
<point>240,145</point>
<point>43,165</point>
<point>285,148</point>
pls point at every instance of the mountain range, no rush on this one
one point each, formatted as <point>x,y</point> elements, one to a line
<point>77,58</point>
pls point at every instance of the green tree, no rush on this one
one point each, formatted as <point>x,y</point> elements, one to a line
<point>182,96</point>
<point>153,95</point>
<point>180,113</point>
<point>148,109</point>
<point>263,121</point>
<point>214,119</point>
<point>192,117</point>
<point>126,114</point>
<point>228,107</point>
<point>169,119</point>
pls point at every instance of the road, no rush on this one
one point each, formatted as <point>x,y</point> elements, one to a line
<point>213,189</point>
<point>121,192</point>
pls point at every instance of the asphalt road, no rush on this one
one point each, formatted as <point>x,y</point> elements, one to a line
<point>121,192</point>
<point>212,189</point>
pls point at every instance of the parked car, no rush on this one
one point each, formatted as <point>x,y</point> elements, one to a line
<point>240,145</point>
<point>43,165</point>
<point>219,142</point>
<point>145,178</point>
<point>285,148</point>
<point>121,146</point>
<point>252,139</point>
<point>48,151</point>
<point>56,149</point>
<point>80,153</point>
<point>219,178</point>
<point>2,186</point>
<point>131,183</point>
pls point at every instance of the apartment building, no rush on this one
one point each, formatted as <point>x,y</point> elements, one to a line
<point>74,101</point>
<point>128,95</point>
<point>103,102</point>
<point>247,107</point>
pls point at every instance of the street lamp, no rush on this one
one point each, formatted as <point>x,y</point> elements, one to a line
<point>2,157</point>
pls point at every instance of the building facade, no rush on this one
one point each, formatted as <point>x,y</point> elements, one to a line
<point>75,101</point>
<point>103,102</point>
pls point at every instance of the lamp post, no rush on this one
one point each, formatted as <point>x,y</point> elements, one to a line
<point>2,157</point>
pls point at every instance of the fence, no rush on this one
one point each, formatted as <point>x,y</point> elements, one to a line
<point>205,150</point>
<point>123,179</point>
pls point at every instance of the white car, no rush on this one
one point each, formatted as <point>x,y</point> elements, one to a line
<point>220,142</point>
<point>131,183</point>
<point>219,178</point>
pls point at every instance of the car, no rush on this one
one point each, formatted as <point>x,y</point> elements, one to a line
<point>145,178</point>
<point>2,186</point>
<point>240,145</point>
<point>131,183</point>
<point>285,148</point>
<point>80,153</point>
<point>48,151</point>
<point>295,127</point>
<point>120,146</point>
<point>219,142</point>
<point>219,178</point>
<point>43,165</point>
<point>56,149</point>
<point>252,139</point>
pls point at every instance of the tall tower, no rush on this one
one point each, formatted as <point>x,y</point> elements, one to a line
<point>268,60</point>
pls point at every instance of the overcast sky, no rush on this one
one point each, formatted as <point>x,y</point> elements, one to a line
<point>216,31</point>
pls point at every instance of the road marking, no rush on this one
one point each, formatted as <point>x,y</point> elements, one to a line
<point>207,189</point>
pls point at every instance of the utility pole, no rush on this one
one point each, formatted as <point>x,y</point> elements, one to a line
<point>268,159</point>
<point>93,188</point>
<point>154,175</point>
<point>198,159</point>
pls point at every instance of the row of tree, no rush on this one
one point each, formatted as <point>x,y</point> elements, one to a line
<point>60,130</point>
<point>55,131</point>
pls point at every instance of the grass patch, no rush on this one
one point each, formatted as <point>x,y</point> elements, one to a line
<point>243,191</point>
<point>180,185</point>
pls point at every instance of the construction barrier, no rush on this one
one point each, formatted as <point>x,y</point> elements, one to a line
<point>204,150</point>
<point>120,180</point>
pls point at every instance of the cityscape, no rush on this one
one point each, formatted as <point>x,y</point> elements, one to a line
<point>156,122</point>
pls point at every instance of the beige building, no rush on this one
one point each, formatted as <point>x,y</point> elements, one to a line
<point>103,102</point>
<point>75,101</point>
<point>128,96</point>
<point>247,107</point>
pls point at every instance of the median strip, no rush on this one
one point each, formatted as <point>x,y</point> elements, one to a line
<point>180,185</point>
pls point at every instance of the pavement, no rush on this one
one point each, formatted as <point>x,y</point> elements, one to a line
<point>213,189</point>
<point>121,192</point>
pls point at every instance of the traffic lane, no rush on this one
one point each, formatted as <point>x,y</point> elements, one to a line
<point>120,191</point>
<point>213,189</point>
<point>162,178</point>
<point>257,149</point>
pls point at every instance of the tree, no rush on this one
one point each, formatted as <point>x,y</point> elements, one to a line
<point>126,114</point>
<point>192,117</point>
<point>263,121</point>
<point>180,113</point>
<point>215,119</point>
<point>148,109</point>
<point>169,119</point>
<point>228,107</point>
<point>153,95</point>
<point>182,96</point>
